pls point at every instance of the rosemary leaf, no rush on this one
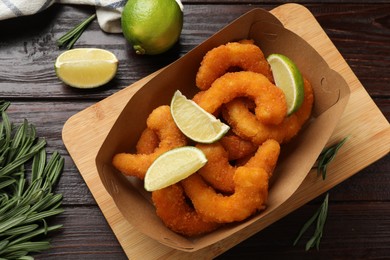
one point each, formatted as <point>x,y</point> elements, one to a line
<point>19,210</point>
<point>37,232</point>
<point>321,222</point>
<point>38,165</point>
<point>74,39</point>
<point>46,202</point>
<point>28,246</point>
<point>45,227</point>
<point>319,217</point>
<point>25,204</point>
<point>56,205</point>
<point>3,244</point>
<point>6,182</point>
<point>7,129</point>
<point>20,230</point>
<point>26,257</point>
<point>15,255</point>
<point>41,215</point>
<point>306,226</point>
<point>11,223</point>
<point>4,105</point>
<point>73,35</point>
<point>54,168</point>
<point>40,202</point>
<point>326,156</point>
<point>21,160</point>
<point>7,206</point>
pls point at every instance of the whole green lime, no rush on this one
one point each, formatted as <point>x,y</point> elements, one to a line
<point>152,26</point>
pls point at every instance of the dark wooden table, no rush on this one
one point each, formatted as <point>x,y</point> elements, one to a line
<point>358,225</point>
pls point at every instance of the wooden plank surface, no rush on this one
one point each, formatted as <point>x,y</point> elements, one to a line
<point>97,120</point>
<point>359,223</point>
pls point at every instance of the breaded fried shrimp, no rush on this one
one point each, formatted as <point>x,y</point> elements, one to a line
<point>147,142</point>
<point>246,125</point>
<point>161,122</point>
<point>244,55</point>
<point>250,189</point>
<point>271,107</point>
<point>177,214</point>
<point>237,147</point>
<point>236,85</point>
<point>219,173</point>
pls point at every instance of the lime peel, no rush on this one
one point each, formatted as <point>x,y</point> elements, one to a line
<point>194,122</point>
<point>86,67</point>
<point>173,166</point>
<point>288,77</point>
<point>152,26</point>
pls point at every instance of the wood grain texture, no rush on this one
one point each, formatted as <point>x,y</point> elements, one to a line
<point>358,225</point>
<point>360,32</point>
<point>97,119</point>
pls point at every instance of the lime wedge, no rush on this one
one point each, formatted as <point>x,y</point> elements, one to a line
<point>288,77</point>
<point>196,123</point>
<point>173,166</point>
<point>86,67</point>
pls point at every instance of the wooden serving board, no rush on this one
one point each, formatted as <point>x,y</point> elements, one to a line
<point>368,131</point>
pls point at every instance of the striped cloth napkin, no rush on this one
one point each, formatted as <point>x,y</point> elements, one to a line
<point>108,12</point>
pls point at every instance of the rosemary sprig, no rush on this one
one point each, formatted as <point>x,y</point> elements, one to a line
<point>320,216</point>
<point>25,204</point>
<point>326,156</point>
<point>73,35</point>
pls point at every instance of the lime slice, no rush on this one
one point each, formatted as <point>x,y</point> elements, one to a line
<point>173,166</point>
<point>196,123</point>
<point>86,67</point>
<point>288,77</point>
<point>152,26</point>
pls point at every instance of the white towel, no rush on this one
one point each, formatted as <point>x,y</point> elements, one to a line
<point>108,12</point>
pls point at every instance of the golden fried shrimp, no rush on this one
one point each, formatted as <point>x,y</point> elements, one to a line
<point>237,147</point>
<point>218,172</point>
<point>250,195</point>
<point>177,214</point>
<point>244,55</point>
<point>250,189</point>
<point>246,125</point>
<point>266,156</point>
<point>161,122</point>
<point>271,107</point>
<point>246,41</point>
<point>197,96</point>
<point>147,142</point>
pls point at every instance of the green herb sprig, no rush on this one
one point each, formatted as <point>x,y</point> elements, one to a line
<point>326,156</point>
<point>320,216</point>
<point>70,38</point>
<point>25,204</point>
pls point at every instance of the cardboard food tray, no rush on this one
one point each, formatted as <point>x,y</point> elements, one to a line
<point>96,122</point>
<point>331,94</point>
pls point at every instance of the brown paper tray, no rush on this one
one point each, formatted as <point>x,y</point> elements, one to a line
<point>297,157</point>
<point>84,133</point>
